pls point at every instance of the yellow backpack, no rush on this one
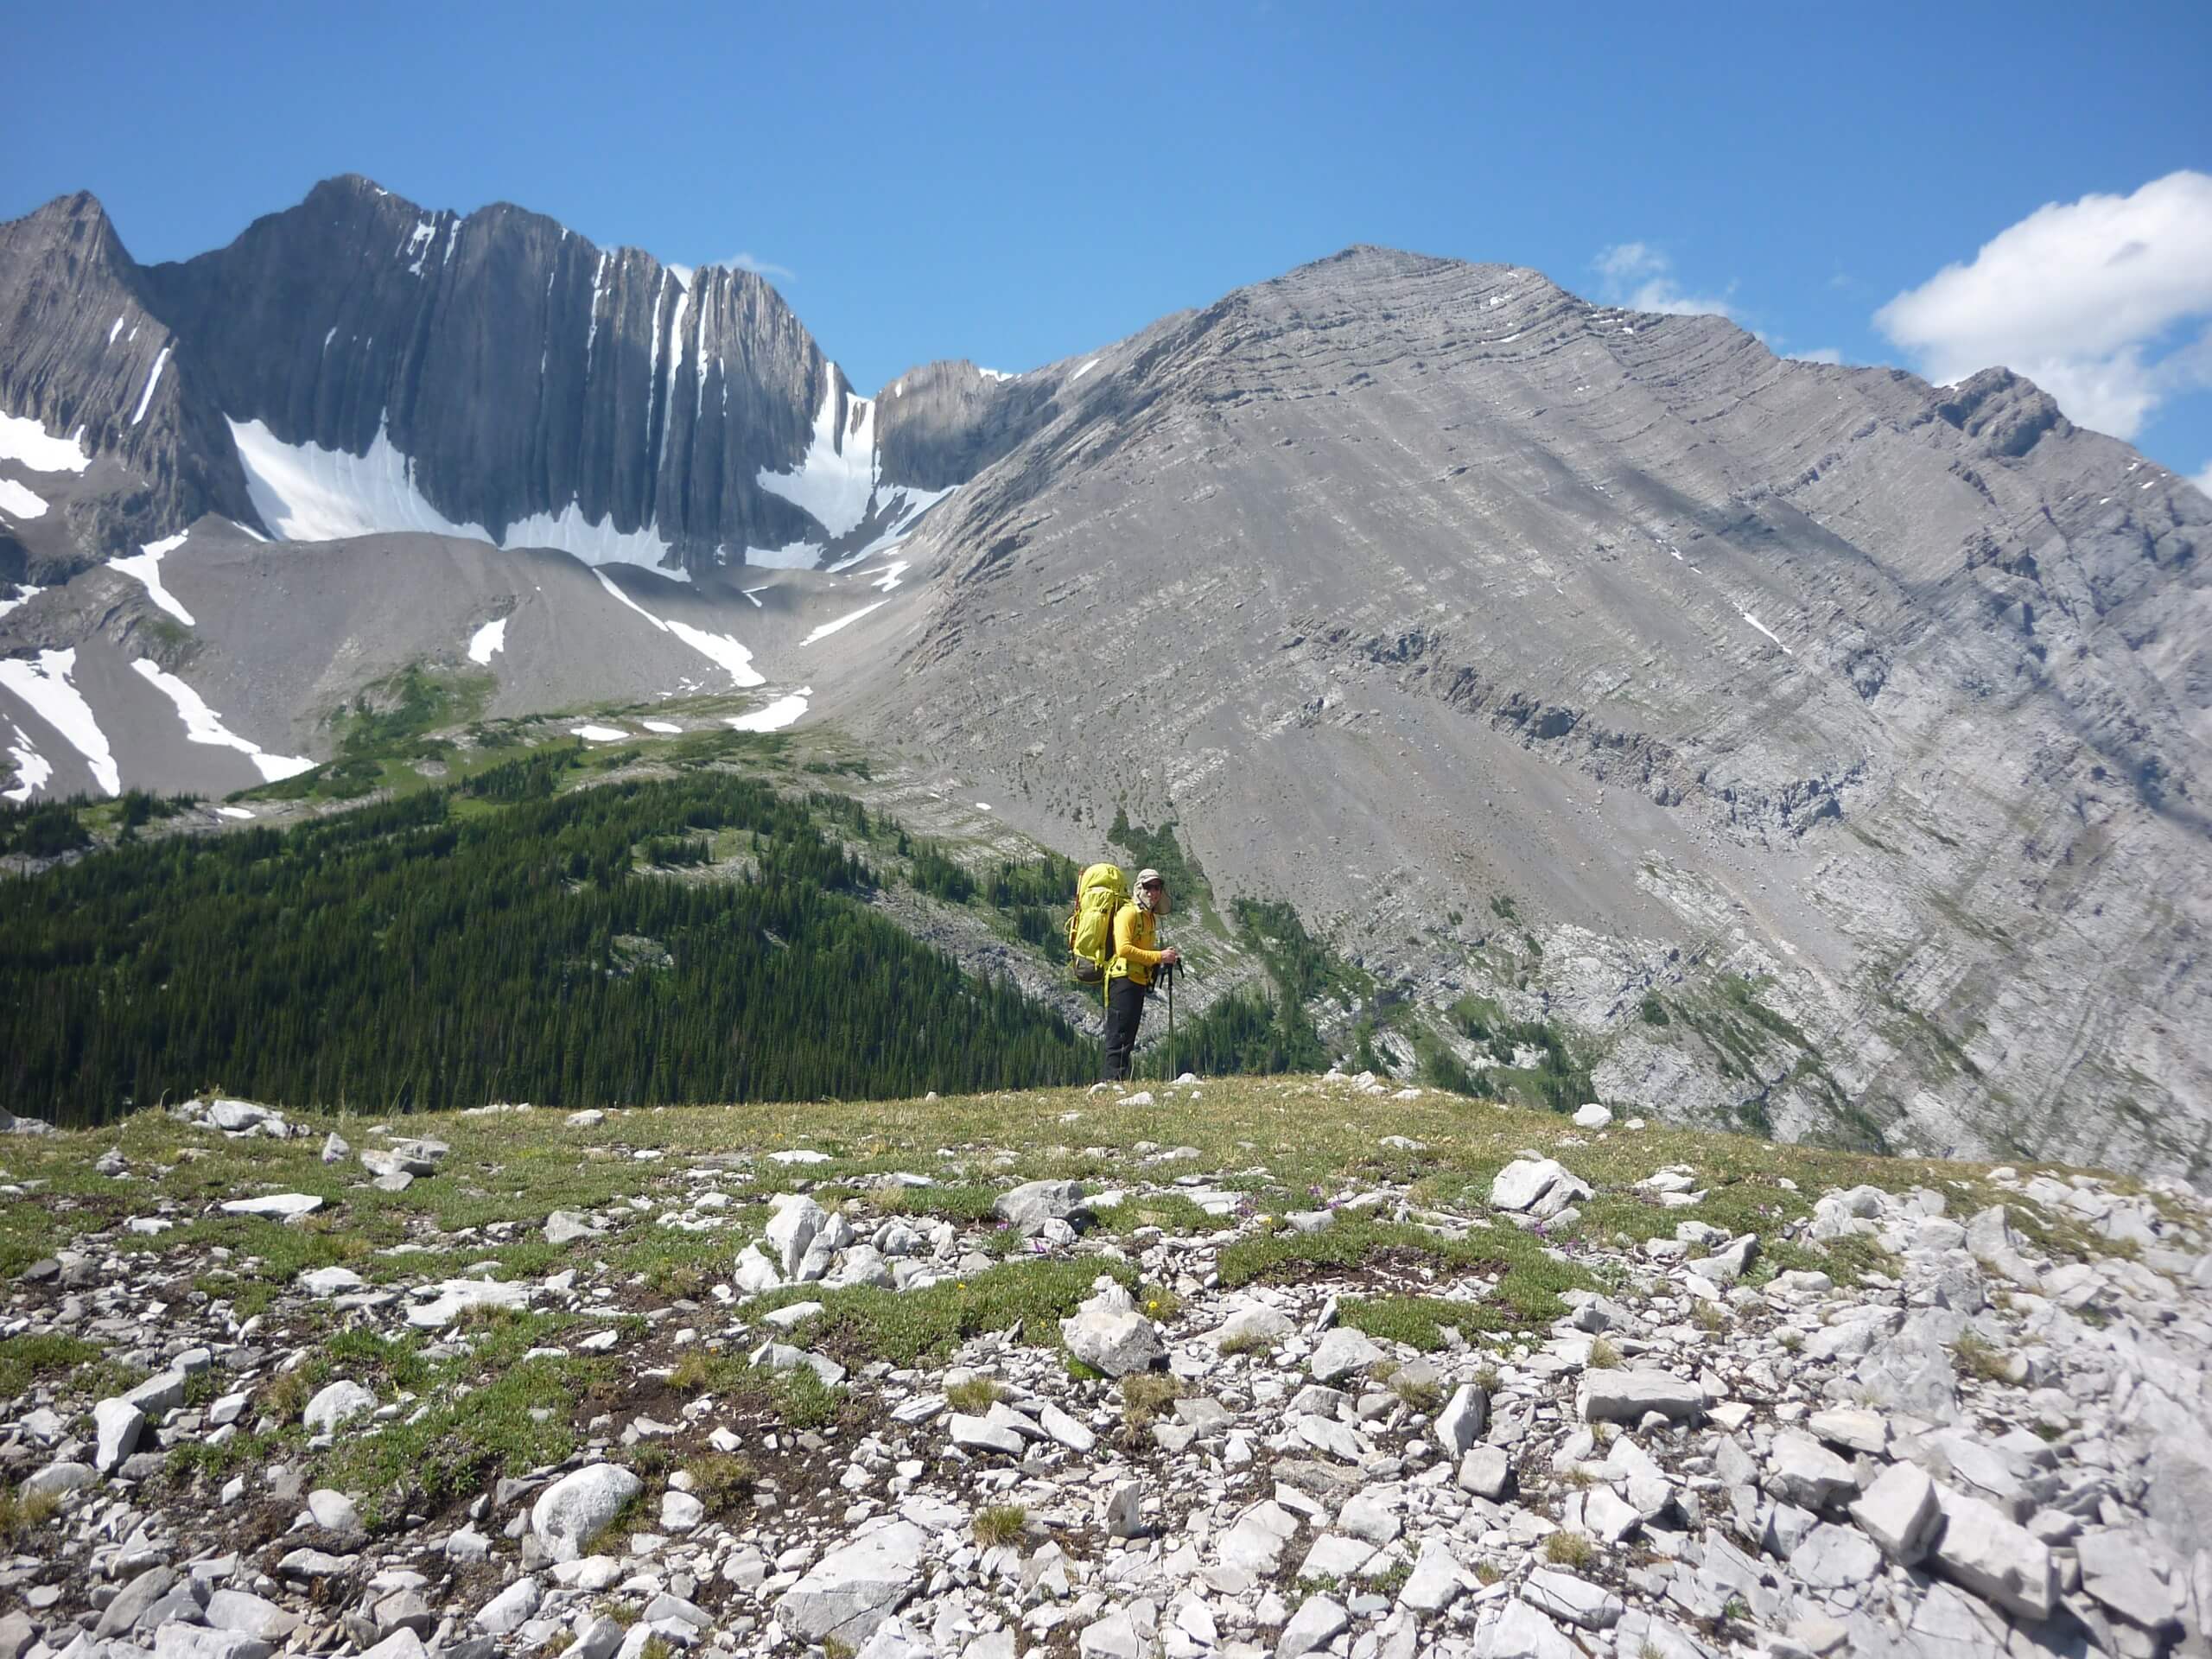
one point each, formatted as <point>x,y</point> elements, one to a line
<point>1100,892</point>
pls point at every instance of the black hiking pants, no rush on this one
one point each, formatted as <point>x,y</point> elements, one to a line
<point>1124,1012</point>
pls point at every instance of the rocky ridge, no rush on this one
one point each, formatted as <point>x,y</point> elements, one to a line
<point>1700,1411</point>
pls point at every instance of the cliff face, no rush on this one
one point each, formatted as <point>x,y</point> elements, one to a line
<point>1868,725</point>
<point>357,364</point>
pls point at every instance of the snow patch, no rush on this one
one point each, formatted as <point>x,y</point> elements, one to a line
<point>116,329</point>
<point>834,480</point>
<point>145,566</point>
<point>1765,630</point>
<point>598,733</point>
<point>32,768</point>
<point>1084,370</point>
<point>45,684</point>
<point>889,579</point>
<point>664,727</point>
<point>906,506</point>
<point>799,555</point>
<point>26,593</point>
<point>492,637</point>
<point>24,439</point>
<point>418,243</point>
<point>721,649</point>
<point>753,593</point>
<point>232,812</point>
<point>146,398</point>
<point>307,493</point>
<point>845,621</point>
<point>994,374</point>
<point>777,715</point>
<point>203,725</point>
<point>17,502</point>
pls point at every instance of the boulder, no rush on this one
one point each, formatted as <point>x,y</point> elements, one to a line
<point>276,1206</point>
<point>1899,1512</point>
<point>455,1297</point>
<point>1803,1472</point>
<point>566,1227</point>
<point>117,1425</point>
<point>1592,1116</point>
<point>510,1609</point>
<point>1624,1396</point>
<point>2116,1570</point>
<point>336,1405</point>
<point>791,1232</point>
<point>1034,1202</point>
<point>1108,1333</point>
<point>1981,1551</point>
<point>576,1509</point>
<point>1536,1186</point>
<point>855,1588</point>
<point>1342,1351</point>
<point>240,1610</point>
<point>1460,1424</point>
<point>177,1640</point>
<point>1317,1622</point>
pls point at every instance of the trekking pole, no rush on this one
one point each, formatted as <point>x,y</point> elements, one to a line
<point>1171,1073</point>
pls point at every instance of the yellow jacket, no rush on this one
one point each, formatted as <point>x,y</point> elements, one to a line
<point>1135,933</point>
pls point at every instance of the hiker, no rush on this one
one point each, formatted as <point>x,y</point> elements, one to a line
<point>1128,977</point>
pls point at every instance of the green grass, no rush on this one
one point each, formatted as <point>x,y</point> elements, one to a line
<point>40,1357</point>
<point>1000,1524</point>
<point>1526,1291</point>
<point>865,1323</point>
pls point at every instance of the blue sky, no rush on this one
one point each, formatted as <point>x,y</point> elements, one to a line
<point>1014,183</point>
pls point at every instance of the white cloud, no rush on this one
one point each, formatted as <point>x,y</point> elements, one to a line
<point>759,267</point>
<point>2203,480</point>
<point>2083,297</point>
<point>1639,277</point>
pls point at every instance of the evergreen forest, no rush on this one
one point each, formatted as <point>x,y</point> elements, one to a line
<point>505,940</point>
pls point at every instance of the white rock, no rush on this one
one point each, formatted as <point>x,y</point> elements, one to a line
<point>1979,1550</point>
<point>1460,1424</point>
<point>1539,1186</point>
<point>1436,1580</point>
<point>1109,1333</point>
<point>336,1404</point>
<point>456,1296</point>
<point>1315,1624</point>
<point>1485,1471</point>
<point>277,1206</point>
<point>1899,1512</point>
<point>1624,1396</point>
<point>1592,1116</point>
<point>1343,1350</point>
<point>1806,1472</point>
<point>2116,1570</point>
<point>1575,1600</point>
<point>176,1640</point>
<point>117,1425</point>
<point>333,1512</point>
<point>576,1509</point>
<point>241,1611</point>
<point>791,1231</point>
<point>330,1281</point>
<point>510,1609</point>
<point>855,1588</point>
<point>680,1511</point>
<point>1519,1631</point>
